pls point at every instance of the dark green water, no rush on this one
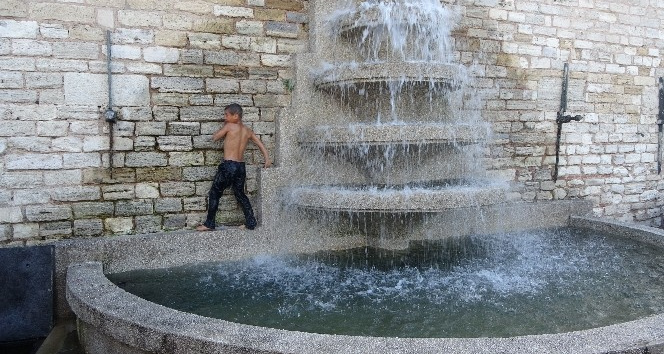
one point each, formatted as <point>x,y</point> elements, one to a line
<point>548,281</point>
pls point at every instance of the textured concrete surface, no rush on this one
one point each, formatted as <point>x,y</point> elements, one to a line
<point>63,339</point>
<point>114,321</point>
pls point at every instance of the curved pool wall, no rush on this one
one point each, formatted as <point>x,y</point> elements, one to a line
<point>114,321</point>
<point>130,252</point>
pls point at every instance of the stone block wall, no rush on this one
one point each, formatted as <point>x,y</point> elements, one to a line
<point>175,65</point>
<point>517,50</point>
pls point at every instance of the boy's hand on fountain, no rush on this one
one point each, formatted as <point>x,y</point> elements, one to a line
<point>268,163</point>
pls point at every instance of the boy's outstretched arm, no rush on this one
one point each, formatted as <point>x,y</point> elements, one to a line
<point>220,133</point>
<point>262,148</point>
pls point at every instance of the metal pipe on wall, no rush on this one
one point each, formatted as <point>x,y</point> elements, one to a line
<point>110,115</point>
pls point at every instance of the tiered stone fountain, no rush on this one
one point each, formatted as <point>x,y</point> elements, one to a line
<point>382,141</point>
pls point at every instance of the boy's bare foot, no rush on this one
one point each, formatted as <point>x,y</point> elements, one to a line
<point>242,227</point>
<point>203,228</point>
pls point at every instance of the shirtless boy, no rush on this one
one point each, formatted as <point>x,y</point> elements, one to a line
<point>231,172</point>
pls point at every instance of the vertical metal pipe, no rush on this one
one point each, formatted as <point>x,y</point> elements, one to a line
<point>660,122</point>
<point>108,68</point>
<point>562,118</point>
<point>559,121</point>
<point>109,114</point>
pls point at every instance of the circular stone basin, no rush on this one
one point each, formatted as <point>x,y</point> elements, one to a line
<point>397,198</point>
<point>359,76</point>
<point>529,283</point>
<point>405,134</point>
<point>112,320</point>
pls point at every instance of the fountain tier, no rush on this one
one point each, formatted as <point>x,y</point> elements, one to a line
<point>399,29</point>
<point>397,134</point>
<point>359,77</point>
<point>396,199</point>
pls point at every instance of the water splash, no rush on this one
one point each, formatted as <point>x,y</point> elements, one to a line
<point>399,30</point>
<point>498,285</point>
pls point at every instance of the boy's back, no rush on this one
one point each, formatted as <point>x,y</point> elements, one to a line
<point>236,137</point>
<point>235,141</point>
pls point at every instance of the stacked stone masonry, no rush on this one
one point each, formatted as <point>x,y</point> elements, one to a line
<point>176,64</point>
<point>613,50</point>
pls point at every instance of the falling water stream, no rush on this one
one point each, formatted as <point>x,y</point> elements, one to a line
<point>408,118</point>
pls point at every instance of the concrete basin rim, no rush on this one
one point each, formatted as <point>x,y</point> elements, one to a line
<point>609,338</point>
<point>88,288</point>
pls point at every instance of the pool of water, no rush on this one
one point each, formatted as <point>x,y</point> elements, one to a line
<point>546,281</point>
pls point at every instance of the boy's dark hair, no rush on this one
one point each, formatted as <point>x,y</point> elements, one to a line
<point>234,108</point>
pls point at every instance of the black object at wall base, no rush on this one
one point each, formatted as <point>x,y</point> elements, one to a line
<point>26,293</point>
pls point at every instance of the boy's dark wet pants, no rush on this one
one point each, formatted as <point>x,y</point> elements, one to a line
<point>229,174</point>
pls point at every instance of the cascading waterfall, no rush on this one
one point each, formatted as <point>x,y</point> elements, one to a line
<point>405,121</point>
<point>417,30</point>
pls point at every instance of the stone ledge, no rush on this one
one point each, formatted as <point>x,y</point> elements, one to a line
<point>397,134</point>
<point>402,74</point>
<point>396,200</point>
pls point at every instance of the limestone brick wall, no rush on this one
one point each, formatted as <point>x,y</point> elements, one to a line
<point>517,49</point>
<point>175,65</point>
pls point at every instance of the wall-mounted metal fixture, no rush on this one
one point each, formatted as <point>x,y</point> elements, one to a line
<point>110,115</point>
<point>660,122</point>
<point>561,118</point>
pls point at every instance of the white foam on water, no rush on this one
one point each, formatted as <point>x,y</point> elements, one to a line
<point>497,285</point>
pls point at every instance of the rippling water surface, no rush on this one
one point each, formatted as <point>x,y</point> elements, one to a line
<point>547,281</point>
